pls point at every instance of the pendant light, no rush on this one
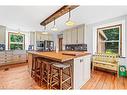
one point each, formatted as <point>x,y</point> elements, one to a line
<point>44,32</point>
<point>19,32</point>
<point>69,22</point>
<point>54,26</point>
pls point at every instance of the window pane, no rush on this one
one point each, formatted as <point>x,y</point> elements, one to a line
<point>108,40</point>
<point>112,34</point>
<point>112,47</point>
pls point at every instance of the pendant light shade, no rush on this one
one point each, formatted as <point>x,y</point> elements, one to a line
<point>54,28</point>
<point>69,22</point>
<point>44,32</point>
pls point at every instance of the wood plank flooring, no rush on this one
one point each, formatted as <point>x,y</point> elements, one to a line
<point>105,81</point>
<point>18,77</point>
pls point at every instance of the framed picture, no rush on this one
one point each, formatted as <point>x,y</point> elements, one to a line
<point>16,41</point>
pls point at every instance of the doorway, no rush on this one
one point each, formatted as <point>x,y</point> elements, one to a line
<point>60,44</point>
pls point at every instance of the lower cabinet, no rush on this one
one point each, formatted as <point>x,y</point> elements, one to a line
<point>81,71</point>
<point>11,57</point>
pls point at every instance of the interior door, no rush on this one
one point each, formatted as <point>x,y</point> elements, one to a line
<point>60,44</point>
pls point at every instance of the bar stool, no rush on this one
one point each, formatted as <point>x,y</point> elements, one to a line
<point>33,67</point>
<point>46,72</point>
<point>60,79</point>
<point>38,70</point>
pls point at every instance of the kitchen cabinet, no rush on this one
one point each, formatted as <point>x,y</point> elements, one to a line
<point>12,56</point>
<point>81,71</point>
<point>37,36</point>
<point>2,34</point>
<point>32,38</point>
<point>64,37</point>
<point>80,31</point>
<point>74,35</point>
<point>78,72</point>
<point>86,68</point>
<point>42,37</point>
<point>50,37</point>
<point>68,40</point>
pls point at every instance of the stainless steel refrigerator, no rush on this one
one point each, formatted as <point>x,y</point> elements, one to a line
<point>48,45</point>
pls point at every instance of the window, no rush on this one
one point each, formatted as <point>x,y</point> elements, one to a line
<point>109,39</point>
<point>16,41</point>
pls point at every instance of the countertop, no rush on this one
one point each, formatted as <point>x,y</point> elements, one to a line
<point>61,56</point>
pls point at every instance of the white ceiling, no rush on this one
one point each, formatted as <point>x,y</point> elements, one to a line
<point>28,18</point>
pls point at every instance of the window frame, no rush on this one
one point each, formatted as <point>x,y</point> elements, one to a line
<point>23,43</point>
<point>120,36</point>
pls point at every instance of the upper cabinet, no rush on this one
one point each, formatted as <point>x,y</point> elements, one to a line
<point>74,35</point>
<point>32,38</point>
<point>64,37</point>
<point>74,38</point>
<point>68,39</point>
<point>2,34</point>
<point>80,33</point>
<point>42,37</point>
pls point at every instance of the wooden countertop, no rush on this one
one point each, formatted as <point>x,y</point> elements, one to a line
<point>61,56</point>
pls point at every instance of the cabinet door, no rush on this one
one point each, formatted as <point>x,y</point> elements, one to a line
<point>42,37</point>
<point>78,73</point>
<point>74,36</point>
<point>32,38</point>
<point>68,41</point>
<point>2,34</point>
<point>38,37</point>
<point>45,36</point>
<point>64,37</point>
<point>80,34</point>
<point>50,37</point>
<point>87,68</point>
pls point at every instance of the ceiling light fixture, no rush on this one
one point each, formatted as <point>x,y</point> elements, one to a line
<point>45,32</point>
<point>69,22</point>
<point>54,26</point>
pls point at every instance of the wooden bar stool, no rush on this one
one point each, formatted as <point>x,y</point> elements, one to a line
<point>33,67</point>
<point>38,70</point>
<point>46,72</point>
<point>61,76</point>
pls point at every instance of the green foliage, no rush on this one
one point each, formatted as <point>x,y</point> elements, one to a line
<point>16,46</point>
<point>16,38</point>
<point>19,41</point>
<point>112,34</point>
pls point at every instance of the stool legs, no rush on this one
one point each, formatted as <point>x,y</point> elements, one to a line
<point>58,80</point>
<point>61,77</point>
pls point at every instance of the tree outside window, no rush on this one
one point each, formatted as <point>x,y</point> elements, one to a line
<point>109,39</point>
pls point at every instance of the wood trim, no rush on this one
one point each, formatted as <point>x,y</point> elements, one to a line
<point>118,25</point>
<point>63,10</point>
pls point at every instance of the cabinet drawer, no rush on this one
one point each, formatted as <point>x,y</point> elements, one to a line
<point>9,52</point>
<point>2,56</point>
<point>2,52</point>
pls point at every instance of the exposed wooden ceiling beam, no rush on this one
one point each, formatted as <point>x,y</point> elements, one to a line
<point>63,10</point>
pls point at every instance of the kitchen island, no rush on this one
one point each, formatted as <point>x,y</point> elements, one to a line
<point>81,63</point>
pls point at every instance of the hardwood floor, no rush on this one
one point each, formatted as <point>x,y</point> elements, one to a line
<point>106,81</point>
<point>17,77</point>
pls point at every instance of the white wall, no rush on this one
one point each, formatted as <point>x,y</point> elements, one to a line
<point>90,37</point>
